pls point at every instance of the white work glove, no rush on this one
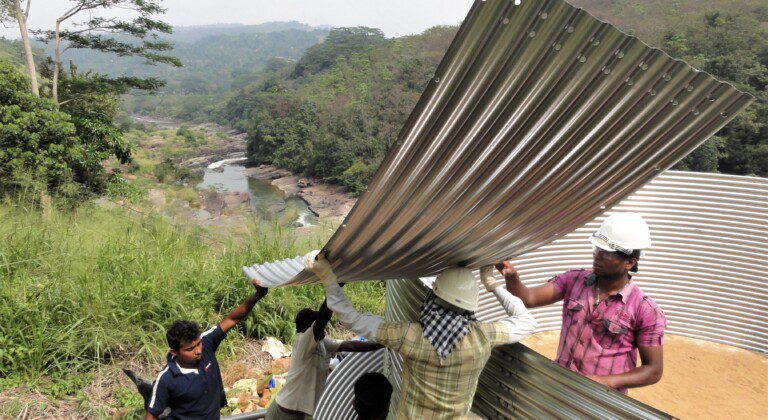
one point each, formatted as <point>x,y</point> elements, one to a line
<point>486,277</point>
<point>318,265</point>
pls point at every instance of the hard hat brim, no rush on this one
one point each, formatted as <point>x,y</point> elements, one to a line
<point>598,242</point>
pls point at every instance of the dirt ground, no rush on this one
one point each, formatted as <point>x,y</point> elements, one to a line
<point>702,380</point>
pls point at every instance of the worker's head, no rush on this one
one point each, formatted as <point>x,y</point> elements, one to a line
<point>184,341</point>
<point>618,244</point>
<point>457,288</point>
<point>304,319</point>
<point>372,394</point>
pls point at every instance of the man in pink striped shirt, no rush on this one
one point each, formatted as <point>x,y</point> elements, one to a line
<point>607,319</point>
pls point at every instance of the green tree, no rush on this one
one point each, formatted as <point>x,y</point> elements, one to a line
<point>139,36</point>
<point>732,47</point>
<point>58,144</point>
<point>17,11</point>
<point>35,136</point>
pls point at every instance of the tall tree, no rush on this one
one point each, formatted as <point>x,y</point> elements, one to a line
<point>135,37</point>
<point>12,9</point>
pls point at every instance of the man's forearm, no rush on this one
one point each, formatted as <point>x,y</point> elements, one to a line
<point>239,313</point>
<point>640,376</point>
<point>516,287</point>
<point>359,346</point>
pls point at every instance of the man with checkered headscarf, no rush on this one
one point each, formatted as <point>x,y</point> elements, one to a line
<point>445,352</point>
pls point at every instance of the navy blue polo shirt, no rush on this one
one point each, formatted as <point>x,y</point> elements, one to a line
<point>193,395</point>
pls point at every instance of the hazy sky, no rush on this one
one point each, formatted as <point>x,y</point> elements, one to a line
<point>394,17</point>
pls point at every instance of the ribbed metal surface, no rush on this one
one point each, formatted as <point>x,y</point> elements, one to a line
<point>336,401</point>
<point>517,382</point>
<point>705,269</point>
<point>538,118</point>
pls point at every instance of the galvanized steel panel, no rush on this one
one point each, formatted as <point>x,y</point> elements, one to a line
<point>336,401</point>
<point>538,119</point>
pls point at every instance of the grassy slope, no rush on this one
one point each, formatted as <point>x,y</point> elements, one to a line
<point>101,284</point>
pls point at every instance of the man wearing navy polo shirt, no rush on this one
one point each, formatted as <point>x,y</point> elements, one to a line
<point>190,385</point>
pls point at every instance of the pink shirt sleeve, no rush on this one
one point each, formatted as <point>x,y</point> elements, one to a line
<point>563,283</point>
<point>651,324</point>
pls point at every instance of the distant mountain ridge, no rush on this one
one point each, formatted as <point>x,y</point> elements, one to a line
<point>216,58</point>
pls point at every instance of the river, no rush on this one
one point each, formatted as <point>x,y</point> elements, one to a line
<point>268,200</point>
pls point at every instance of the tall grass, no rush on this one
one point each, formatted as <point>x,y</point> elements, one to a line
<point>101,284</point>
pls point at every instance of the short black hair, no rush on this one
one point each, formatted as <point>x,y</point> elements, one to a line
<point>635,254</point>
<point>372,394</point>
<point>181,332</point>
<point>304,319</point>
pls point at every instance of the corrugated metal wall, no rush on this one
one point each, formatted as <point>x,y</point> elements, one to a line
<point>707,266</point>
<point>706,269</point>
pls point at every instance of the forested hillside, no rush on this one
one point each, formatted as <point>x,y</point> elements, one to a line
<point>11,50</point>
<point>216,58</point>
<point>335,113</point>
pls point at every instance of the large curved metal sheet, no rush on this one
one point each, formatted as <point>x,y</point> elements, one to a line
<point>538,118</point>
<point>336,401</point>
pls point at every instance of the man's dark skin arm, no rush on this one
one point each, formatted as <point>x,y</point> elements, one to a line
<point>359,346</point>
<point>648,373</point>
<point>239,313</point>
<point>532,297</point>
<point>323,318</point>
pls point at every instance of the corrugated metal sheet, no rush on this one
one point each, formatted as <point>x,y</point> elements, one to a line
<point>336,401</point>
<point>710,233</point>
<point>517,382</point>
<point>538,118</point>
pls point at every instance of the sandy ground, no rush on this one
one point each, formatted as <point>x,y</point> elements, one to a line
<point>702,380</point>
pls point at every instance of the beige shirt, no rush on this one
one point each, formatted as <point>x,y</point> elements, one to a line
<point>305,380</point>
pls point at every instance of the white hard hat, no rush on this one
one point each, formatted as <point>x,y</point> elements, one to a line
<point>623,232</point>
<point>457,286</point>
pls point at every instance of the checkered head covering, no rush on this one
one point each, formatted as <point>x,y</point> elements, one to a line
<point>443,327</point>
